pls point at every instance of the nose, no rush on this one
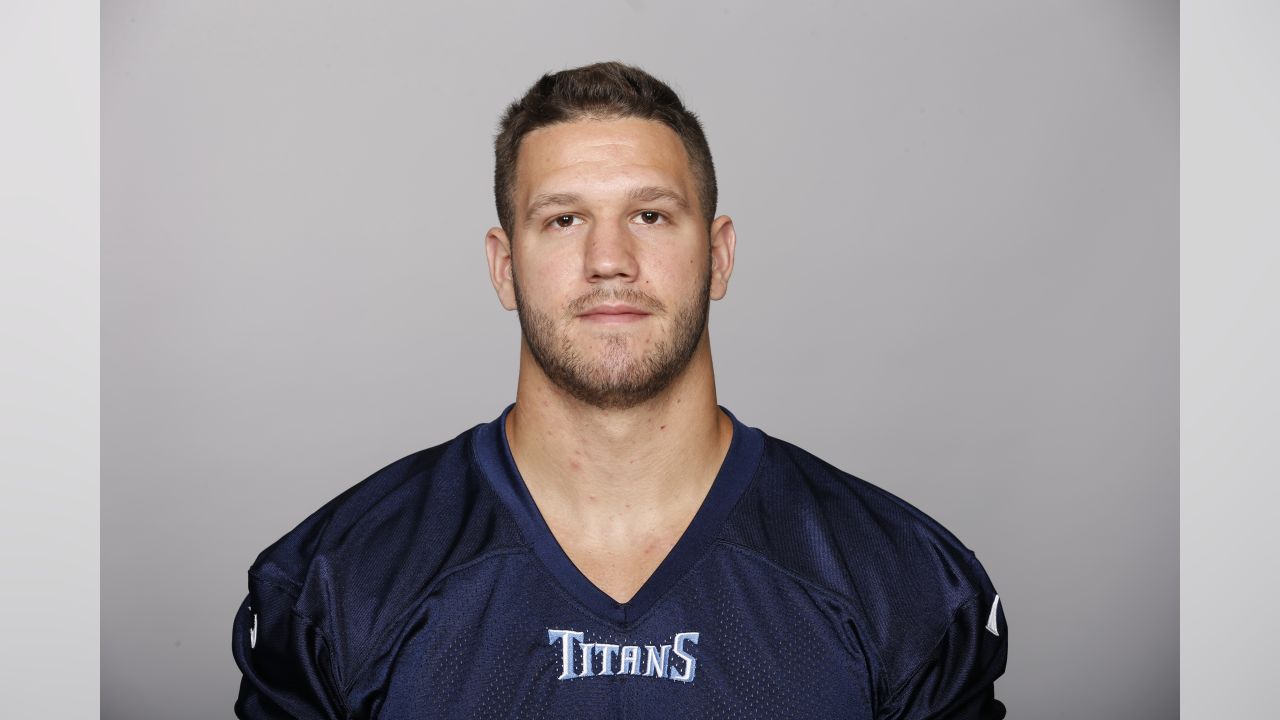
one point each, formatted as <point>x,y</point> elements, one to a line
<point>610,253</point>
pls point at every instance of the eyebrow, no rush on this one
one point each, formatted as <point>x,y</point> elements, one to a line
<point>647,193</point>
<point>548,199</point>
<point>654,193</point>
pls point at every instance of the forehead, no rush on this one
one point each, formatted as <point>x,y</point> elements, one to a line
<point>586,155</point>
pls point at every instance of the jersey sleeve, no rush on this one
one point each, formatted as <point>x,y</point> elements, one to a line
<point>957,681</point>
<point>288,666</point>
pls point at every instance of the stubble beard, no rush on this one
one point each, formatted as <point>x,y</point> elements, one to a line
<point>623,377</point>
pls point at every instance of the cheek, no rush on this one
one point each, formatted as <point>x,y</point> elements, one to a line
<point>681,274</point>
<point>545,286</point>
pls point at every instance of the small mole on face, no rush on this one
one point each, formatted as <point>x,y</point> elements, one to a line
<point>662,427</point>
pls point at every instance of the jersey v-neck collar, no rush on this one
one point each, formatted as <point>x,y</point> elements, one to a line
<point>493,453</point>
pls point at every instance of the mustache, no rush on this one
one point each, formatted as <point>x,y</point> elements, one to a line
<point>630,296</point>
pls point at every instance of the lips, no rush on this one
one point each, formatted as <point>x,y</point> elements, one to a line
<point>606,310</point>
<point>613,314</point>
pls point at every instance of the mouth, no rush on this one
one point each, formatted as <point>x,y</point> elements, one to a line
<point>613,314</point>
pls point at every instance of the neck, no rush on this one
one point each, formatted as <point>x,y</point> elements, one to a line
<point>624,466</point>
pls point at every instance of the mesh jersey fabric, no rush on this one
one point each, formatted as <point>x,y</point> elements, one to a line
<point>434,589</point>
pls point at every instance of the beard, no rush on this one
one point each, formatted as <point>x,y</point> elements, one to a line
<point>622,377</point>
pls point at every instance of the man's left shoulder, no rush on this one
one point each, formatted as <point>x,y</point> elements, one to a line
<point>908,585</point>
<point>849,535</point>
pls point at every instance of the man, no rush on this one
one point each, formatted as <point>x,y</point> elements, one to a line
<point>615,544</point>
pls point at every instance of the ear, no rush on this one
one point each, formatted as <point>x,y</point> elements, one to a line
<point>501,270</point>
<point>723,242</point>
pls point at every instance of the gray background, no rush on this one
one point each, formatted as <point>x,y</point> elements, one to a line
<point>957,278</point>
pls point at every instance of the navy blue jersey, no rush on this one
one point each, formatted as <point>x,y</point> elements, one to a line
<point>434,589</point>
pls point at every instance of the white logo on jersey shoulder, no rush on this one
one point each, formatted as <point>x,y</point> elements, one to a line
<point>992,625</point>
<point>253,632</point>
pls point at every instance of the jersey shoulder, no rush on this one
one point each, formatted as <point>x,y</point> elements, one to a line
<point>899,574</point>
<point>367,555</point>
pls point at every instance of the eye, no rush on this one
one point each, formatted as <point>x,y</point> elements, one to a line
<point>564,221</point>
<point>650,217</point>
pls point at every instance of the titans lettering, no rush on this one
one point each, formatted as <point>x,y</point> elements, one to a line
<point>669,662</point>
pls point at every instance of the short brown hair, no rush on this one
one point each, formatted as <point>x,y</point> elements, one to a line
<point>605,90</point>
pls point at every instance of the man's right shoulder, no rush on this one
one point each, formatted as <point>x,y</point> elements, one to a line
<point>415,517</point>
